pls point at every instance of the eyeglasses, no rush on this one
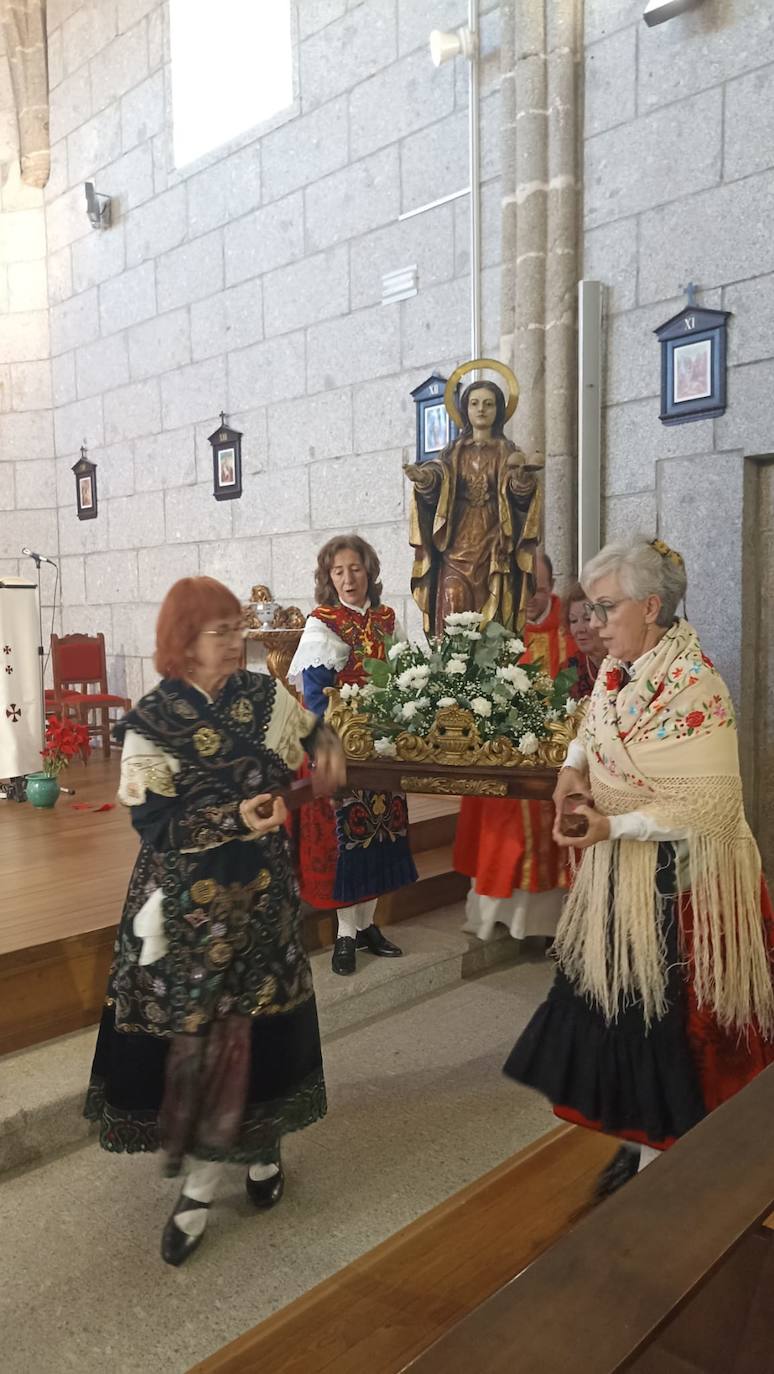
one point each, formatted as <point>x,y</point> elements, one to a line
<point>227,632</point>
<point>602,609</point>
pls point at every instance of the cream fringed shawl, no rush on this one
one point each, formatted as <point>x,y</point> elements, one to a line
<point>665,744</point>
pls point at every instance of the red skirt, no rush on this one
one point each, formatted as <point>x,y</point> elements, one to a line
<point>507,846</point>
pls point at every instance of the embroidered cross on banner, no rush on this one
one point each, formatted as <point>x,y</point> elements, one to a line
<point>13,712</point>
<point>6,648</point>
<point>8,668</point>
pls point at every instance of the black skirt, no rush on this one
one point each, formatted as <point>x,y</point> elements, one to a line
<point>621,1077</point>
<point>286,1089</point>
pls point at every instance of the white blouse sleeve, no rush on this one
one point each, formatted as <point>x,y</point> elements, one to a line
<point>576,757</point>
<point>636,825</point>
<point>145,768</point>
<point>320,647</point>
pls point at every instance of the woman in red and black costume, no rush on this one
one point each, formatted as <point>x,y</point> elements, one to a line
<point>589,648</point>
<point>351,854</point>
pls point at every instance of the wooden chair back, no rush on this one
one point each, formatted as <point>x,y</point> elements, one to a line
<point>78,663</point>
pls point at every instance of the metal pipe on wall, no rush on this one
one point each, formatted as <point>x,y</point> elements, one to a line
<point>474,145</point>
<point>589,420</point>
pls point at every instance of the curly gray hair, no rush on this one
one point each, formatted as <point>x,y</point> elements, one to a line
<point>644,568</point>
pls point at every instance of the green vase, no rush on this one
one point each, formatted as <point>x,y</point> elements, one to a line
<point>42,790</point>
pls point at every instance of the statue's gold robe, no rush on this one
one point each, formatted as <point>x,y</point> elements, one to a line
<point>474,533</point>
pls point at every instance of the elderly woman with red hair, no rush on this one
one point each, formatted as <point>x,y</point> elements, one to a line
<point>209,1044</point>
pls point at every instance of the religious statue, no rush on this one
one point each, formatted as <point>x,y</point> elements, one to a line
<point>475,517</point>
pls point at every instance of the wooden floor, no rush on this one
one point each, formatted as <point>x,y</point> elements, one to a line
<point>63,879</point>
<point>64,872</point>
<point>382,1311</point>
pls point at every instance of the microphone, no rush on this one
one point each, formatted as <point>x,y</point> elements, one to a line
<point>39,557</point>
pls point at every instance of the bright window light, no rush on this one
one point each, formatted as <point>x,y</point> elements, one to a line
<point>232,68</point>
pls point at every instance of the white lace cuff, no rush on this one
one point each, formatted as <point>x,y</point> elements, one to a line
<point>320,647</point>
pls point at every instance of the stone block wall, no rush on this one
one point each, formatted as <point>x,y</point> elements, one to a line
<point>679,178</point>
<point>250,282</point>
<point>28,503</point>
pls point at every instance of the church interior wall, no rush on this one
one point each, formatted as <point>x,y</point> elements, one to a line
<point>678,175</point>
<point>253,285</point>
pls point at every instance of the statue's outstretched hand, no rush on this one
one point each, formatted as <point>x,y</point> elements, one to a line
<point>423,475</point>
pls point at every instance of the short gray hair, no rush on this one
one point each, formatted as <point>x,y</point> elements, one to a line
<point>642,571</point>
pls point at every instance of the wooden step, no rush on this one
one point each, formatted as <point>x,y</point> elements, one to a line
<point>64,875</point>
<point>438,885</point>
<point>432,822</point>
<point>385,1308</point>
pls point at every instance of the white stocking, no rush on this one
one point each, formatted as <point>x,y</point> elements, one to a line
<point>647,1156</point>
<point>355,918</point>
<point>200,1184</point>
<point>259,1172</point>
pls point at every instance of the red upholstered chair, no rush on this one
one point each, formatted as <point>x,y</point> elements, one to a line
<point>78,663</point>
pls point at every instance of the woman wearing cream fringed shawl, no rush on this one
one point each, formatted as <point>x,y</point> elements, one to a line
<point>663,1003</point>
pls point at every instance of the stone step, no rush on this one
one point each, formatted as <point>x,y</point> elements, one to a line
<point>42,1087</point>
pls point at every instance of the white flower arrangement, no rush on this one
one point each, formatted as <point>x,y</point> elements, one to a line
<point>399,647</point>
<point>476,668</point>
<point>481,706</point>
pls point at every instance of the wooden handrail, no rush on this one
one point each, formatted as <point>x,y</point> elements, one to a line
<point>387,1306</point>
<point>601,1295</point>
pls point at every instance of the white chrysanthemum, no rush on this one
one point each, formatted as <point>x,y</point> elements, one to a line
<point>470,634</point>
<point>481,706</point>
<point>469,618</point>
<point>528,743</point>
<point>385,747</point>
<point>551,714</point>
<point>456,667</point>
<point>421,673</point>
<point>405,679</point>
<point>517,677</point>
<point>447,701</point>
<point>349,690</point>
<point>515,647</point>
<point>570,706</point>
<point>397,649</point>
<point>408,710</point>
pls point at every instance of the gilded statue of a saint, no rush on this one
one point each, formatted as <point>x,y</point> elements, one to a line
<point>475,520</point>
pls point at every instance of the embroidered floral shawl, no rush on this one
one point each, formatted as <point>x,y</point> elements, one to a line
<point>665,743</point>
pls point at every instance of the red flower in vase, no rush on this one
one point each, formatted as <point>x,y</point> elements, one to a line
<point>64,739</point>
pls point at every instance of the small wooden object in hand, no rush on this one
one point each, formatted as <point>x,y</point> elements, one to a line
<point>572,824</point>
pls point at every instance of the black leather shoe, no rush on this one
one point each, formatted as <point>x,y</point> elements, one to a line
<point>176,1245</point>
<point>622,1167</point>
<point>265,1192</point>
<point>372,939</point>
<point>343,960</point>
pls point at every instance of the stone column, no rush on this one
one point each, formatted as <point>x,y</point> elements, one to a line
<point>24,29</point>
<point>541,48</point>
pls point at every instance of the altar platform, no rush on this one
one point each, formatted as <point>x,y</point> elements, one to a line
<point>63,878</point>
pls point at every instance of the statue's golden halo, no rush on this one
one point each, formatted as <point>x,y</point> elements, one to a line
<point>480,365</point>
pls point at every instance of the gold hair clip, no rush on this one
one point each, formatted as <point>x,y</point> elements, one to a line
<point>666,552</point>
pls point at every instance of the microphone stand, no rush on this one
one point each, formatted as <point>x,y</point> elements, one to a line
<point>41,656</point>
